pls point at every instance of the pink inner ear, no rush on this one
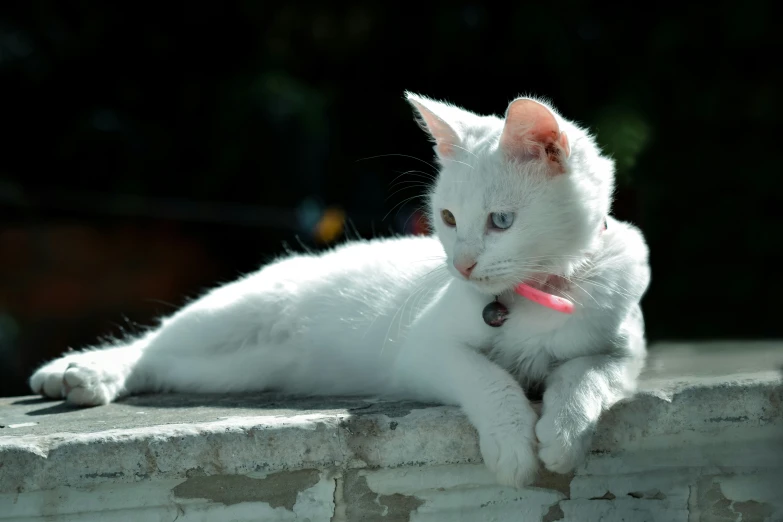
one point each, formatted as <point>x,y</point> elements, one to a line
<point>445,137</point>
<point>531,132</point>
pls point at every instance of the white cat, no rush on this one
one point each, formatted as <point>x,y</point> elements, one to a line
<point>520,199</point>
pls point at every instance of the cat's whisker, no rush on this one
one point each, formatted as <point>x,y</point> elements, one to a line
<point>417,188</point>
<point>417,179</point>
<point>583,290</point>
<point>618,290</point>
<point>398,191</point>
<point>597,267</point>
<point>410,185</point>
<point>463,148</point>
<point>419,174</point>
<point>576,277</point>
<point>400,204</point>
<point>404,225</point>
<point>458,161</point>
<point>543,282</point>
<point>433,167</point>
<point>423,216</point>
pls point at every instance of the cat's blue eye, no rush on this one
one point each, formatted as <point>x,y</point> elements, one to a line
<point>501,220</point>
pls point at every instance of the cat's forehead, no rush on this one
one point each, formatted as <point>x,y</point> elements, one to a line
<point>485,183</point>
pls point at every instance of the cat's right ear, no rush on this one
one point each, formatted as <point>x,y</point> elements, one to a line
<point>531,132</point>
<point>433,117</point>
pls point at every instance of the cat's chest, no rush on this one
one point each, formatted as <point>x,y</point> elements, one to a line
<point>527,322</point>
<point>529,341</point>
<point>527,325</point>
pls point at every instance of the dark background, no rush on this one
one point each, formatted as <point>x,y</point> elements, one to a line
<point>150,151</point>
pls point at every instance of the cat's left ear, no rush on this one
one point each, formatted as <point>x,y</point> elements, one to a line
<point>440,121</point>
<point>531,132</point>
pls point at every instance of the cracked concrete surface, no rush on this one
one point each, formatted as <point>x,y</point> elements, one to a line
<point>703,441</point>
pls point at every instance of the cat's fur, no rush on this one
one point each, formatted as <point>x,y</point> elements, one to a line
<point>394,318</point>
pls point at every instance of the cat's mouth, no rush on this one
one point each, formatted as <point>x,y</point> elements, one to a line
<point>495,285</point>
<point>547,290</point>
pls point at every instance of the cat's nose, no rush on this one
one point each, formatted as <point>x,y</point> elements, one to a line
<point>465,267</point>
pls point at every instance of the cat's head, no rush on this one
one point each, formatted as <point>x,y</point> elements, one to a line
<point>515,197</point>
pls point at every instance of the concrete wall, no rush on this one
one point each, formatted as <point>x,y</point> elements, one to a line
<point>703,441</point>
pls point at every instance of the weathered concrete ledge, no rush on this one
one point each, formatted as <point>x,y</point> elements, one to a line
<point>703,441</point>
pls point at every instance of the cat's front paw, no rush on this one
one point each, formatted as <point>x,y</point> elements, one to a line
<point>511,456</point>
<point>561,448</point>
<point>79,380</point>
<point>509,445</point>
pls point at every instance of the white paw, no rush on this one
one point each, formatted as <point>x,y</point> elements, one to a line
<point>48,380</point>
<point>511,456</point>
<point>81,379</point>
<point>509,446</point>
<point>559,450</point>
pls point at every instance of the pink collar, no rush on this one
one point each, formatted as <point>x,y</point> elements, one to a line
<point>559,304</point>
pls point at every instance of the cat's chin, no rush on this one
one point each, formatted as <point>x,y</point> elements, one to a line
<point>492,288</point>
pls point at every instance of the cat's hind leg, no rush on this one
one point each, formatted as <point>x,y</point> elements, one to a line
<point>231,339</point>
<point>168,360</point>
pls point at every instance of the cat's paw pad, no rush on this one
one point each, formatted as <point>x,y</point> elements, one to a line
<point>557,452</point>
<point>85,385</point>
<point>511,456</point>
